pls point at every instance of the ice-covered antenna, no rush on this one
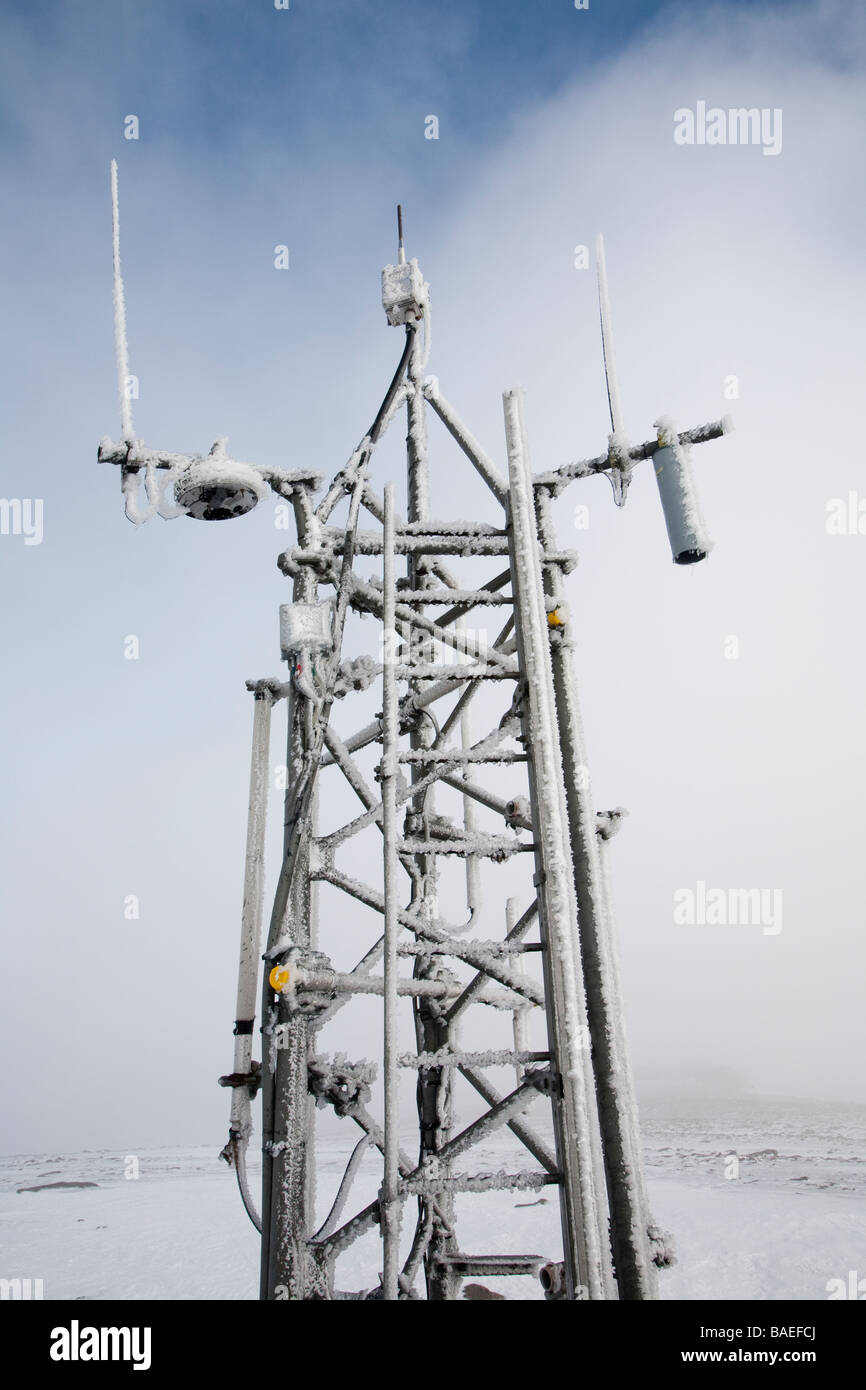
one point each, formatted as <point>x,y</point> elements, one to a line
<point>401,250</point>
<point>211,487</point>
<point>121,347</point>
<point>607,339</point>
<point>672,465</point>
<point>620,465</point>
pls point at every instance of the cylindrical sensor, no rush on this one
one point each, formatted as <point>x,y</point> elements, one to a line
<point>686,528</point>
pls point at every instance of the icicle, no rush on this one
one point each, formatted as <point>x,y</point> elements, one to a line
<point>130,485</point>
<point>168,510</point>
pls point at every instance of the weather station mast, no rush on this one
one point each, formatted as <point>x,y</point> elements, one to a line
<point>517,1006</point>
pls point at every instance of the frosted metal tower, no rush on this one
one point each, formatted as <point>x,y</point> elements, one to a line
<point>460,750</point>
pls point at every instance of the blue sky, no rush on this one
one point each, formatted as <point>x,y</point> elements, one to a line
<point>321,60</point>
<point>259,128</point>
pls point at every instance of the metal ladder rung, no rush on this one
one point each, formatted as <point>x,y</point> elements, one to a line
<point>467,671</point>
<point>464,850</point>
<point>478,1182</point>
<point>504,1058</point>
<point>491,1265</point>
<point>454,597</point>
<point>447,755</point>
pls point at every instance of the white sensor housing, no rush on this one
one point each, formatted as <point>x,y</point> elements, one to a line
<point>404,293</point>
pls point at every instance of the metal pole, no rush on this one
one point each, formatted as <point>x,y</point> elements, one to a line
<point>287,1106</point>
<point>432,1031</point>
<point>473,874</point>
<point>520,1022</point>
<point>418,508</point>
<point>390,1221</point>
<point>636,1275</point>
<point>586,1248</point>
<point>251,917</point>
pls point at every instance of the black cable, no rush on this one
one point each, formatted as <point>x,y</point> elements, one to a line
<point>376,426</point>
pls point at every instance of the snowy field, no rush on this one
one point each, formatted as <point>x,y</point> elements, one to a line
<point>793,1219</point>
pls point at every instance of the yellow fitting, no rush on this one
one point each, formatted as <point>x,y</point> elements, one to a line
<point>555,618</point>
<point>279,978</point>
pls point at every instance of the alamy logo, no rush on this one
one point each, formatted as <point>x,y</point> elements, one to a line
<point>22,516</point>
<point>75,1343</point>
<point>854,1288</point>
<point>738,125</point>
<point>729,907</point>
<point>23,1289</point>
<point>846,516</point>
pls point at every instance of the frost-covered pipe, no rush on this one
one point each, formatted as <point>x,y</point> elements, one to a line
<point>330,1222</point>
<point>527,1136</point>
<point>473,873</point>
<point>288,1139</point>
<point>418,478</point>
<point>240,1122</point>
<point>618,1125</point>
<point>428,333</point>
<point>336,982</point>
<point>685,524</point>
<point>390,734</point>
<point>130,484</point>
<point>583,1205</point>
<point>238,1149</point>
<point>479,459</point>
<point>168,510</point>
<point>521,1012</point>
<point>251,915</point>
<point>644,1281</point>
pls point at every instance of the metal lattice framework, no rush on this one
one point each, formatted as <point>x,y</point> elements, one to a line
<point>509,802</point>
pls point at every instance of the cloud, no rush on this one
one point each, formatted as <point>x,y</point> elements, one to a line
<point>723,265</point>
<point>131,776</point>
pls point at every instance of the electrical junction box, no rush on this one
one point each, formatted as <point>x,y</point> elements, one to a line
<point>306,627</point>
<point>404,293</point>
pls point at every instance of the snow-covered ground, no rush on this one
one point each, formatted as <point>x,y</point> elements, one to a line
<point>793,1219</point>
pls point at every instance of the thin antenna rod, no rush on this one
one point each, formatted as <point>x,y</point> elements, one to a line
<point>607,339</point>
<point>120,344</point>
<point>401,250</point>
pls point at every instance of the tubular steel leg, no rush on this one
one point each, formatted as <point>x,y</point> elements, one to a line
<point>287,1106</point>
<point>251,918</point>
<point>473,875</point>
<point>636,1274</point>
<point>583,1204</point>
<point>390,1221</point>
<point>240,1123</point>
<point>431,1029</point>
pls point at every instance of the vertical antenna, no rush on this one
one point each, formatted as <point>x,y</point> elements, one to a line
<point>607,339</point>
<point>120,344</point>
<point>401,250</point>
